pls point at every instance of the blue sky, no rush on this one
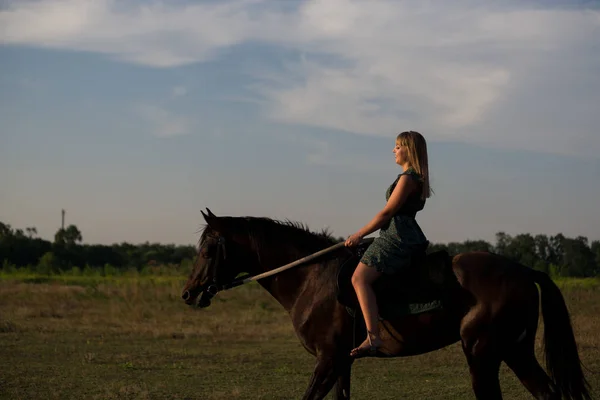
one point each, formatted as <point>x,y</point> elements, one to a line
<point>134,116</point>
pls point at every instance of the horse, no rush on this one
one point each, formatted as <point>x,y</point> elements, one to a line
<point>488,302</point>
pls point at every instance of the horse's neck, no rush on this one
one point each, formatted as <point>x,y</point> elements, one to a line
<point>288,286</point>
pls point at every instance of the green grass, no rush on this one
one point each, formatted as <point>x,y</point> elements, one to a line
<point>589,283</point>
<point>131,337</point>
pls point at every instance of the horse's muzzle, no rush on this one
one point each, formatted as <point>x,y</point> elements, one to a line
<point>207,295</point>
<point>203,300</point>
<point>190,296</point>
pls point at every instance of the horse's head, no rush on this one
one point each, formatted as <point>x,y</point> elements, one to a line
<point>221,256</point>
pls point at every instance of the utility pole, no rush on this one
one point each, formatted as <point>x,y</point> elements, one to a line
<point>63,220</point>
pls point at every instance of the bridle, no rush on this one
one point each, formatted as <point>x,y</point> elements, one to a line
<point>221,251</point>
<point>215,286</point>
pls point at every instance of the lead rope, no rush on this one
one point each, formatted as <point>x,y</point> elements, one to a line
<point>248,278</point>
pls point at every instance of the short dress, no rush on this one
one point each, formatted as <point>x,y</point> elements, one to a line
<point>391,252</point>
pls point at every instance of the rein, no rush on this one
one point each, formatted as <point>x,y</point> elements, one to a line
<point>214,288</point>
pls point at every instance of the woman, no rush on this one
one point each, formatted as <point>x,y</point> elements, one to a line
<point>399,235</point>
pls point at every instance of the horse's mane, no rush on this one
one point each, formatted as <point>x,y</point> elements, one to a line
<point>263,227</point>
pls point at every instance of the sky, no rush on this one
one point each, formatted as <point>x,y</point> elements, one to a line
<point>135,115</point>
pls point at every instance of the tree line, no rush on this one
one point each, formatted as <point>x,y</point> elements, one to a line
<point>21,248</point>
<point>557,255</point>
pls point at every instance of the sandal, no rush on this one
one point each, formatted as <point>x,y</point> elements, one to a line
<point>371,351</point>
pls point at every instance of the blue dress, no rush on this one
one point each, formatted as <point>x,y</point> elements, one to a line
<point>391,252</point>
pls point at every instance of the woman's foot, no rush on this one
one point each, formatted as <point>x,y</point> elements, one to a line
<point>368,348</point>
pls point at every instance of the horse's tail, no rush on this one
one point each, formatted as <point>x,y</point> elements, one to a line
<point>562,357</point>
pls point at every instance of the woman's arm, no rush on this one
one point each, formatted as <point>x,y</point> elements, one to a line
<point>403,188</point>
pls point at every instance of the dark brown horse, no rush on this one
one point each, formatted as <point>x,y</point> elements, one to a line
<point>490,305</point>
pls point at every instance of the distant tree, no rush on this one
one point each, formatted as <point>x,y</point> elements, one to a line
<point>476,245</point>
<point>68,237</point>
<point>5,230</point>
<point>436,247</point>
<point>578,258</point>
<point>503,240</point>
<point>65,249</point>
<point>523,247</point>
<point>595,248</point>
<point>546,251</point>
<point>31,231</point>
<point>556,245</point>
<point>183,252</point>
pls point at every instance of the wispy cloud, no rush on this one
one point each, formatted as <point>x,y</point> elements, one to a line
<point>158,34</point>
<point>162,122</point>
<point>508,74</point>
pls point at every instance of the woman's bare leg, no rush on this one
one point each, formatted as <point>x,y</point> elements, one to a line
<point>362,281</point>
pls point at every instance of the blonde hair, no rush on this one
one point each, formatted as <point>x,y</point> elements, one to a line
<point>417,157</point>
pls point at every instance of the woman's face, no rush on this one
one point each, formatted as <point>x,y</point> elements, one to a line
<point>400,152</point>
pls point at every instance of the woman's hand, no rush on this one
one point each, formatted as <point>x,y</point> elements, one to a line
<point>353,240</point>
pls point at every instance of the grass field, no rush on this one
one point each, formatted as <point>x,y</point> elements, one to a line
<point>133,338</point>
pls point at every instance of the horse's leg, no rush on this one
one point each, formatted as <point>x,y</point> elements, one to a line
<point>520,357</point>
<point>484,371</point>
<point>342,386</point>
<point>520,351</point>
<point>478,347</point>
<point>323,378</point>
<point>530,373</point>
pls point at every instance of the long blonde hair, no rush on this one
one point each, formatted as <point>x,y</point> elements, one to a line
<point>417,157</point>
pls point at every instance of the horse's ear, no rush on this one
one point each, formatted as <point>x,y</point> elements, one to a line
<point>210,212</point>
<point>212,220</point>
